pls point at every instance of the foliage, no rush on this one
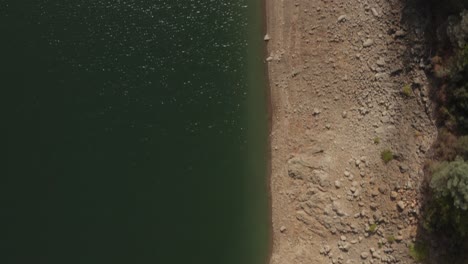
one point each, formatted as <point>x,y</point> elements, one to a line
<point>391,239</point>
<point>376,140</point>
<point>418,251</point>
<point>386,156</point>
<point>406,90</point>
<point>462,147</point>
<point>444,148</point>
<point>458,89</point>
<point>451,179</point>
<point>448,210</point>
<point>373,228</point>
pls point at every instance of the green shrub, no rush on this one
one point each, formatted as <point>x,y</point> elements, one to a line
<point>386,155</point>
<point>391,239</point>
<point>376,140</point>
<point>451,179</point>
<point>418,251</point>
<point>373,228</point>
<point>407,91</point>
<point>448,209</point>
<point>462,147</point>
<point>457,91</point>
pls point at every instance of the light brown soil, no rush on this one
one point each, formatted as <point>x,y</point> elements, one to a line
<point>337,70</point>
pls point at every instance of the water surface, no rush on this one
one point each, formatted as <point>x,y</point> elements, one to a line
<point>137,132</point>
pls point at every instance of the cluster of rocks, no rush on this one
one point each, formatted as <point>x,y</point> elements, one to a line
<point>332,206</point>
<point>352,91</point>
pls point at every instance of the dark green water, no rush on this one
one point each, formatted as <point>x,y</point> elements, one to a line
<point>136,132</point>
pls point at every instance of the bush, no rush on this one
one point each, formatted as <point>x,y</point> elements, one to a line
<point>462,147</point>
<point>406,90</point>
<point>444,148</point>
<point>448,209</point>
<point>458,89</point>
<point>386,156</point>
<point>376,140</point>
<point>451,179</point>
<point>418,251</point>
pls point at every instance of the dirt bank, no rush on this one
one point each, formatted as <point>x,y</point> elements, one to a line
<point>347,83</point>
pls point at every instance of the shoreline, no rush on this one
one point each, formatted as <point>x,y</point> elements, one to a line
<point>270,119</point>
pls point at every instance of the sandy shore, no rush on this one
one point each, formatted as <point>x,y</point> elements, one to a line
<point>338,72</point>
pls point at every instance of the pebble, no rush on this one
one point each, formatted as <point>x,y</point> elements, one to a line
<point>368,43</point>
<point>364,255</point>
<point>337,184</point>
<point>381,62</point>
<point>374,12</point>
<point>342,18</point>
<point>344,246</point>
<point>393,195</point>
<point>282,229</point>
<point>401,205</point>
<point>403,168</point>
<point>400,33</point>
<point>267,37</point>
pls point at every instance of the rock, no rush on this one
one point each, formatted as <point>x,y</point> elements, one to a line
<point>344,246</point>
<point>344,114</point>
<point>400,33</point>
<point>325,250</point>
<point>342,18</point>
<point>364,255</point>
<point>267,37</point>
<point>316,111</point>
<point>398,238</point>
<point>337,184</point>
<point>282,229</point>
<point>270,58</point>
<point>403,168</point>
<point>393,195</point>
<point>343,238</point>
<point>382,189</point>
<point>381,62</point>
<point>374,12</point>
<point>401,205</point>
<point>368,43</point>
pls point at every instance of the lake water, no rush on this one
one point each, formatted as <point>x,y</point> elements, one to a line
<point>136,132</point>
